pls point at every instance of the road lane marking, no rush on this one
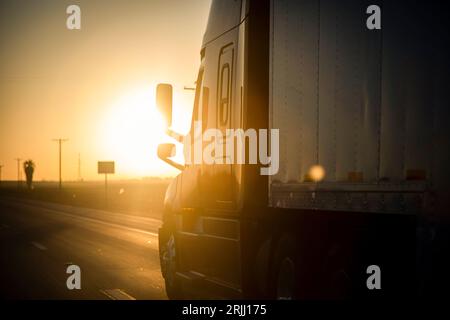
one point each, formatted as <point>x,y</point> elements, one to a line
<point>110,224</point>
<point>63,208</point>
<point>39,246</point>
<point>117,294</point>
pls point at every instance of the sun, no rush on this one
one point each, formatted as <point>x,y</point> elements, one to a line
<point>132,130</point>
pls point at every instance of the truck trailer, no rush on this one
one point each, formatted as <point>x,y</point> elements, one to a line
<point>356,205</point>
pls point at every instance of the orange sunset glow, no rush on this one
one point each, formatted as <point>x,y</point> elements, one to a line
<point>234,156</point>
<point>94,86</point>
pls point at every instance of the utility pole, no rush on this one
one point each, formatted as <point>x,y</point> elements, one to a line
<point>18,171</point>
<point>60,142</point>
<point>79,167</point>
<point>1,166</point>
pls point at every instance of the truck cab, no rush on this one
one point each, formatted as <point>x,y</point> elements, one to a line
<point>205,203</point>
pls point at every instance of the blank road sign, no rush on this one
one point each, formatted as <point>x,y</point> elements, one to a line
<point>106,167</point>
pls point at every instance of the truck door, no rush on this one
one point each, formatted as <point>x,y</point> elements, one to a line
<point>191,251</point>
<point>220,221</point>
<point>223,166</point>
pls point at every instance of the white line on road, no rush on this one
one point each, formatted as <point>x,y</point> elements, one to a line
<point>38,245</point>
<point>110,224</point>
<point>117,294</point>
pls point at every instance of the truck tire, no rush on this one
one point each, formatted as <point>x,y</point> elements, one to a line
<point>169,266</point>
<point>285,269</point>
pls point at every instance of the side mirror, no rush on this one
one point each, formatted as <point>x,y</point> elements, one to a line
<point>164,101</point>
<point>167,150</point>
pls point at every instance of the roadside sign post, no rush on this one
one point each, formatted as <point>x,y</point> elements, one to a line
<point>106,189</point>
<point>106,167</point>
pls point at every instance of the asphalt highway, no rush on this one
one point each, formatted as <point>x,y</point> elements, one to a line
<point>117,254</point>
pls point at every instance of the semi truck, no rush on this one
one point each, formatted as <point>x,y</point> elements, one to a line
<point>356,206</point>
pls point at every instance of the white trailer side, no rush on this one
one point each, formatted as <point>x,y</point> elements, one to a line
<point>368,106</point>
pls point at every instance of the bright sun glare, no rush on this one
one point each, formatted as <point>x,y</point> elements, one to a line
<point>133,129</point>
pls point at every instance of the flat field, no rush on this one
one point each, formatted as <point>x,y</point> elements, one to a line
<point>137,197</point>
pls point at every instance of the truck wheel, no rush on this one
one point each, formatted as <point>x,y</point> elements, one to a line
<point>286,280</point>
<point>285,270</point>
<point>169,268</point>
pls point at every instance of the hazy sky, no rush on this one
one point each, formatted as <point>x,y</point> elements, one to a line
<point>94,86</point>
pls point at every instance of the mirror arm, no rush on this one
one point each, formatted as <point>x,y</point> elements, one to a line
<point>178,137</point>
<point>174,164</point>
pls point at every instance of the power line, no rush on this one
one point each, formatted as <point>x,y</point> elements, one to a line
<point>60,142</point>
